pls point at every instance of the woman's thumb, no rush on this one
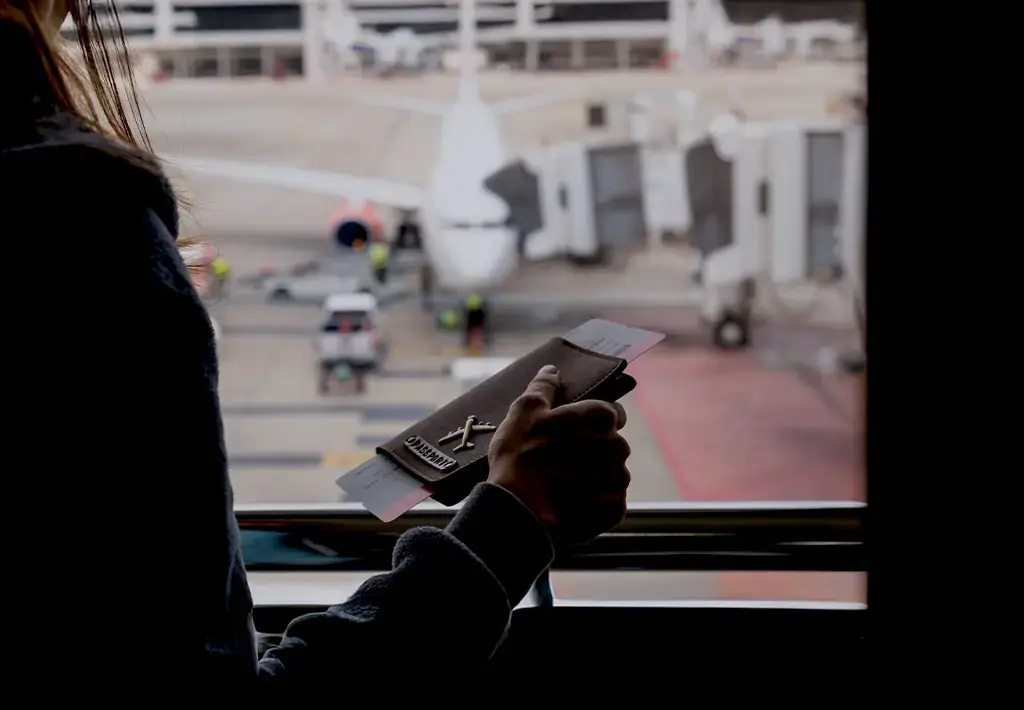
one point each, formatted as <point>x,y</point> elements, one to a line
<point>544,387</point>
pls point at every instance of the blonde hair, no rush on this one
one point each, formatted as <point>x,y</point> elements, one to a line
<point>193,255</point>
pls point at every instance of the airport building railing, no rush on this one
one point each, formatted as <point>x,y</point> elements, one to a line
<point>797,536</point>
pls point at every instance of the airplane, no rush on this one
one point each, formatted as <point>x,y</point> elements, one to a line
<point>397,50</point>
<point>467,235</point>
<point>772,35</point>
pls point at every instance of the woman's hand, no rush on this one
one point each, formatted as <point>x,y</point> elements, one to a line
<point>566,463</point>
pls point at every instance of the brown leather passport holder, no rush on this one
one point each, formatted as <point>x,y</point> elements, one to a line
<point>448,449</point>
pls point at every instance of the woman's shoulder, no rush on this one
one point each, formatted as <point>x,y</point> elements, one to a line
<point>85,200</point>
<point>63,157</point>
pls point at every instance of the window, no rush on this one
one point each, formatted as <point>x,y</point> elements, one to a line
<point>348,322</point>
<point>710,421</point>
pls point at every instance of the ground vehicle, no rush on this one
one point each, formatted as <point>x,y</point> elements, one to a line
<point>349,338</point>
<point>312,287</point>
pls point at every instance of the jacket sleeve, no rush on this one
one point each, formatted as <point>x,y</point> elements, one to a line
<point>123,397</point>
<point>447,602</point>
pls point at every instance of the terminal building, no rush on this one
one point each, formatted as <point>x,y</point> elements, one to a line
<point>203,38</point>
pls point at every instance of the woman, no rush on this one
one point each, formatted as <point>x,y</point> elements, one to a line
<point>130,576</point>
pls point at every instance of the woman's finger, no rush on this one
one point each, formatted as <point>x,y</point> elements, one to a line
<point>589,417</point>
<point>621,412</point>
<point>601,461</point>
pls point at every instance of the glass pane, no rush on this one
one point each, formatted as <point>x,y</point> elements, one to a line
<point>824,186</point>
<point>771,414</point>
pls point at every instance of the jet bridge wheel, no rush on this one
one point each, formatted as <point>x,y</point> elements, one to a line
<point>731,332</point>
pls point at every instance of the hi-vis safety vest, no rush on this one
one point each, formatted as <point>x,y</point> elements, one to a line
<point>220,267</point>
<point>379,254</point>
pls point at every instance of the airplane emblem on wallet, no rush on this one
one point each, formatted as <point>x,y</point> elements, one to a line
<point>466,432</point>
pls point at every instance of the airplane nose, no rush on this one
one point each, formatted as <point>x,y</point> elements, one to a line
<point>474,258</point>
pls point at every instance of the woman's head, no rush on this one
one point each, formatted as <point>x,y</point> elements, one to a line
<point>94,81</point>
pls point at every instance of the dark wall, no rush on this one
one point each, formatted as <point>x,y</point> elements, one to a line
<point>286,16</point>
<point>750,11</point>
<point>243,17</point>
<point>611,12</point>
<point>739,11</point>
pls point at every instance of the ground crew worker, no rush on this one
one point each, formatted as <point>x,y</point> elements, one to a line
<point>221,271</point>
<point>448,319</point>
<point>408,234</point>
<point>379,252</point>
<point>476,317</point>
<point>426,287</point>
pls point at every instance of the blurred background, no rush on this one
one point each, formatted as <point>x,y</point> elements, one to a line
<point>401,196</point>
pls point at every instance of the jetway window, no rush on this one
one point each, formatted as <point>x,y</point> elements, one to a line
<point>621,226</point>
<point>511,55</point>
<point>246,61</point>
<point>204,63</point>
<point>617,190</point>
<point>600,54</point>
<point>291,62</point>
<point>555,56</point>
<point>616,173</point>
<point>824,190</point>
<point>646,54</point>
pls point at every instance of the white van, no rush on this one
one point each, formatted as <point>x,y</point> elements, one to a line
<point>350,331</point>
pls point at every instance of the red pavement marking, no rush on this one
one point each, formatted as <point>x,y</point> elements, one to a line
<point>732,430</point>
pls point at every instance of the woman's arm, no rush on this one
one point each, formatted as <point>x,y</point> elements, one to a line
<point>445,606</point>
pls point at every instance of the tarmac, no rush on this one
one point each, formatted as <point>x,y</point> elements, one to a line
<point>288,444</point>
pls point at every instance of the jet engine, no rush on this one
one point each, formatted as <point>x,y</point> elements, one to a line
<point>354,224</point>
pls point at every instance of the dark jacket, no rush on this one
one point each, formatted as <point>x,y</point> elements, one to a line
<point>128,557</point>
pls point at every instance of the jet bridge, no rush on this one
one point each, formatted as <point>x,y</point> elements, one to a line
<point>765,205</point>
<point>774,205</point>
<point>576,200</point>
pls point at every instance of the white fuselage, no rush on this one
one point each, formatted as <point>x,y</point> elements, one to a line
<point>465,226</point>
